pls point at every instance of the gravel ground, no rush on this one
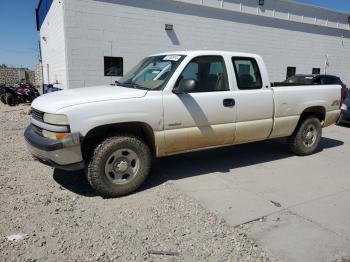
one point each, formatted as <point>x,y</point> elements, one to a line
<point>57,217</point>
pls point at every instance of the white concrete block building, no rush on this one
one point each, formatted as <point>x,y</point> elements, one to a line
<point>94,42</point>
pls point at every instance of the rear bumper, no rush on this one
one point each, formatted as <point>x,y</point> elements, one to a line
<point>332,117</point>
<point>62,154</point>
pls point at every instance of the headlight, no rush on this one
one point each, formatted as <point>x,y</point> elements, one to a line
<point>56,119</point>
<point>344,107</point>
<point>53,135</point>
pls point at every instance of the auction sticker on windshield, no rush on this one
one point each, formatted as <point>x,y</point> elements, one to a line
<point>172,58</point>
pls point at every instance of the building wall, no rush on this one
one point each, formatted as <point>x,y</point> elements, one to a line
<point>53,46</point>
<point>10,76</point>
<point>39,81</point>
<point>30,77</point>
<point>284,34</point>
<point>282,9</point>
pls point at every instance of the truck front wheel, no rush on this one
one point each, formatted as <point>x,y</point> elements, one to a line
<point>119,166</point>
<point>306,137</point>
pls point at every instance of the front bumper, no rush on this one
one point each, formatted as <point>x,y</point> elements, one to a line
<point>344,117</point>
<point>62,154</point>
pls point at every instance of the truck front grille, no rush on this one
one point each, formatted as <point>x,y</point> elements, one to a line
<point>38,130</point>
<point>38,115</point>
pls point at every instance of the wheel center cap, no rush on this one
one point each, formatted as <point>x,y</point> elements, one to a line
<point>121,166</point>
<point>309,135</point>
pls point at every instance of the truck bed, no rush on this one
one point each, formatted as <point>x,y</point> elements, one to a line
<point>280,84</point>
<point>291,101</point>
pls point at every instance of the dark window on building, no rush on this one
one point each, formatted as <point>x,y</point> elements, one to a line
<point>113,66</point>
<point>316,71</point>
<point>291,71</point>
<point>247,73</point>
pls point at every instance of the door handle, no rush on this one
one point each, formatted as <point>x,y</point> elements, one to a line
<point>229,102</point>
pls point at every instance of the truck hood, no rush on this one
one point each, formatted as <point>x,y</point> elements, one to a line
<point>55,101</point>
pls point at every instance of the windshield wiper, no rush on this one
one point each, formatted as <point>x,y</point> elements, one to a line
<point>133,85</point>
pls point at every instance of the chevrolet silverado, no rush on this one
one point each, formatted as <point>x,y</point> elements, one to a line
<point>173,103</point>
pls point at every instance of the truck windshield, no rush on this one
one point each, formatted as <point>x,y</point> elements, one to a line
<point>152,73</point>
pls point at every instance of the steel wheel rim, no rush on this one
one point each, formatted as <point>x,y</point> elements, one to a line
<point>122,166</point>
<point>309,135</point>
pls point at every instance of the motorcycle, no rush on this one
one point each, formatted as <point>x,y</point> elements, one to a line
<point>19,94</point>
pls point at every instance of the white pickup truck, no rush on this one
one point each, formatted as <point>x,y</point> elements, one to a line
<point>173,103</point>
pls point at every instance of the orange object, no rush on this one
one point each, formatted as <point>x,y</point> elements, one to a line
<point>60,136</point>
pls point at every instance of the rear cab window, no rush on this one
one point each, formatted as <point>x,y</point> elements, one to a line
<point>247,73</point>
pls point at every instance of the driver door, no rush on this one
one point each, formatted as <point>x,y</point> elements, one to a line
<point>204,117</point>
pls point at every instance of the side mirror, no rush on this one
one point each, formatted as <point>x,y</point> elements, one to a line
<point>185,86</point>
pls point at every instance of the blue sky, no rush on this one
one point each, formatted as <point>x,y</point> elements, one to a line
<point>18,35</point>
<point>19,38</point>
<point>339,5</point>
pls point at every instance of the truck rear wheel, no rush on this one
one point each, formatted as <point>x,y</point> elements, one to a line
<point>306,137</point>
<point>119,166</point>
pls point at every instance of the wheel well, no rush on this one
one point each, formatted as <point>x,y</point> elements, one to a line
<point>318,111</point>
<point>95,136</point>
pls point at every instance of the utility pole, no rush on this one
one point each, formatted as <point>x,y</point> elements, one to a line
<point>326,64</point>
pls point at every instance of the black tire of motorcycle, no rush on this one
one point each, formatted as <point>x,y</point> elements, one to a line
<point>3,98</point>
<point>10,100</point>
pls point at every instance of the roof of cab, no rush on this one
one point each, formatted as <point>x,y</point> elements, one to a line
<point>207,52</point>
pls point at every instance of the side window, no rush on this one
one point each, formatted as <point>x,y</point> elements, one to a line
<point>190,72</point>
<point>209,72</point>
<point>247,73</point>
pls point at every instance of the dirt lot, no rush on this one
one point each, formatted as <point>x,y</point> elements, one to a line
<point>59,218</point>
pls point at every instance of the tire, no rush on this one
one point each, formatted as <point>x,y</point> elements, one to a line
<point>10,100</point>
<point>31,98</point>
<point>306,137</point>
<point>3,98</point>
<point>119,166</point>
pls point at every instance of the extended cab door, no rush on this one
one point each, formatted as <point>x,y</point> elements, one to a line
<point>254,100</point>
<point>204,117</point>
